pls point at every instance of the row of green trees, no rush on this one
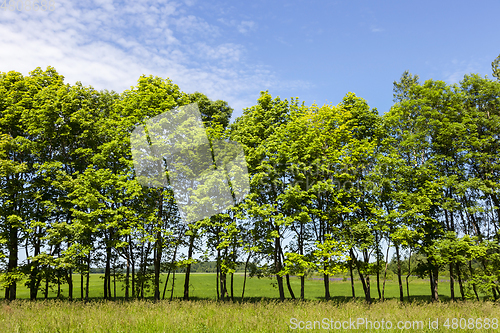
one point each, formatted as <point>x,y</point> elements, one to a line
<point>333,188</point>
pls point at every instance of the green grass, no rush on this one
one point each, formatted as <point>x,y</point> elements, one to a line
<point>203,287</point>
<point>260,312</point>
<point>211,316</point>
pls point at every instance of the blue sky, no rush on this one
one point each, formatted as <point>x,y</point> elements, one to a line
<point>315,50</point>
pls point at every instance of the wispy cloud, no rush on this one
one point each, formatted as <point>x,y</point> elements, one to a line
<point>374,28</point>
<point>241,26</point>
<point>455,70</point>
<point>246,26</point>
<point>109,44</point>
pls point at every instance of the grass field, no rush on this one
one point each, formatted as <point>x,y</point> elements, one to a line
<point>264,316</point>
<point>203,287</point>
<point>262,312</point>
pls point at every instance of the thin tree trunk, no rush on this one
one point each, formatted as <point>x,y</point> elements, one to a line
<point>47,283</point>
<point>132,259</point>
<point>352,280</point>
<point>58,284</point>
<point>11,289</point>
<point>460,284</point>
<point>169,271</point>
<point>378,284</point>
<point>278,266</point>
<point>158,250</point>
<point>70,284</point>
<point>222,282</point>
<point>473,285</point>
<point>188,268</point>
<point>287,277</point>
<point>127,280</point>
<point>290,290</point>
<point>436,280</point>
<point>452,283</point>
<point>35,271</point>
<point>232,287</point>
<point>114,282</point>
<point>245,277</point>
<point>366,284</point>
<point>385,269</point>
<point>88,279</point>
<point>107,270</point>
<point>400,283</point>
<point>173,285</point>
<point>302,286</point>
<point>217,274</point>
<point>82,290</point>
<point>407,277</point>
<point>157,262</point>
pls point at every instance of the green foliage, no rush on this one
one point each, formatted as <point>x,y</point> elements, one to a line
<point>331,188</point>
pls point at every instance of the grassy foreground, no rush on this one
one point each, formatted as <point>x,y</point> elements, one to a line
<point>265,316</point>
<point>259,312</point>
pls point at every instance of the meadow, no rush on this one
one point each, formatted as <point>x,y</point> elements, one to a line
<point>259,312</point>
<point>202,286</point>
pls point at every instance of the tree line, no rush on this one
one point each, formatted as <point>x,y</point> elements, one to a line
<point>334,188</point>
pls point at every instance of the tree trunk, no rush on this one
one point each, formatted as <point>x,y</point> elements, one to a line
<point>34,278</point>
<point>232,287</point>
<point>188,268</point>
<point>158,250</point>
<point>378,284</point>
<point>127,280</point>
<point>290,290</point>
<point>433,276</point>
<point>114,282</point>
<point>473,285</point>
<point>302,287</point>
<point>366,284</point>
<point>245,277</point>
<point>173,285</point>
<point>400,282</point>
<point>88,280</point>
<point>217,274</point>
<point>287,278</point>
<point>353,292</point>
<point>107,270</point>
<point>69,279</point>
<point>326,283</point>
<point>278,266</point>
<point>172,266</point>
<point>132,260</point>
<point>11,289</point>
<point>459,276</point>
<point>385,269</point>
<point>452,283</point>
<point>47,283</point>
<point>157,262</point>
<point>81,285</point>
<point>58,272</point>
<point>436,281</point>
<point>222,281</point>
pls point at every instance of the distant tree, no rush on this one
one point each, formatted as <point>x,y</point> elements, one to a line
<point>495,66</point>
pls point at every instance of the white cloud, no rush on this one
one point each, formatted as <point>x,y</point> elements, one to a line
<point>374,28</point>
<point>109,44</point>
<point>246,26</point>
<point>455,70</point>
<point>241,26</point>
